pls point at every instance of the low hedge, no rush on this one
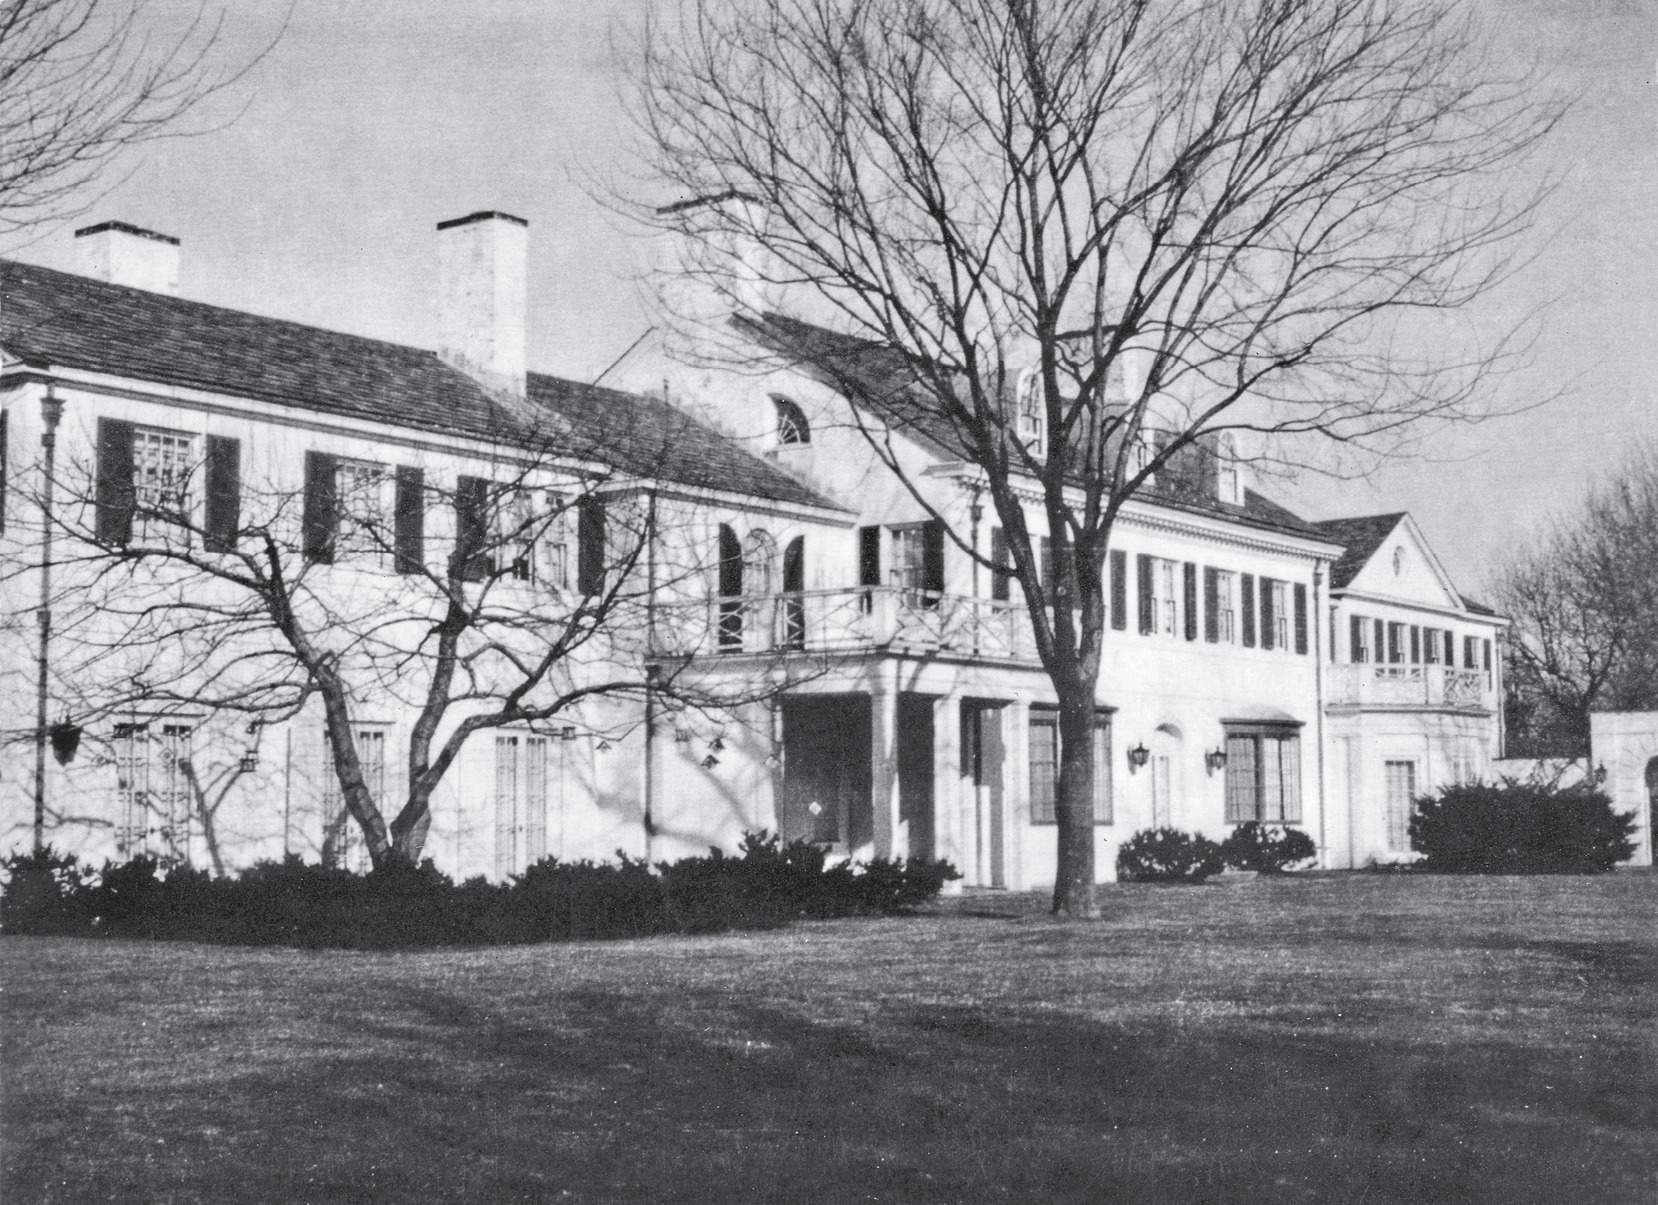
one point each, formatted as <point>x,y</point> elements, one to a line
<point>1167,855</point>
<point>299,904</point>
<point>1512,827</point>
<point>1266,849</point>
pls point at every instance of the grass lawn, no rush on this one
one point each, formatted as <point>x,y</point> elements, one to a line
<point>1358,1038</point>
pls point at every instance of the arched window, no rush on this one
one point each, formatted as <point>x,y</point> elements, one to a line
<point>731,590</point>
<point>792,427</point>
<point>759,564</point>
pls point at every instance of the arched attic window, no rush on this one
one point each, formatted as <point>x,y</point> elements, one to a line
<point>1228,482</point>
<point>792,427</point>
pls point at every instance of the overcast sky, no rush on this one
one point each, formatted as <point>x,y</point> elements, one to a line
<point>372,120</point>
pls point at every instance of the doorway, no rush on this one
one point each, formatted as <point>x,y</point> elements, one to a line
<point>983,753</point>
<point>826,771</point>
<point>915,772</point>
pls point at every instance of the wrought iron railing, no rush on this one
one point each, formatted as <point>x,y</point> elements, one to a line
<point>1410,686</point>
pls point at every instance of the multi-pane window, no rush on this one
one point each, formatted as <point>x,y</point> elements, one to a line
<point>153,795</point>
<point>364,494</point>
<point>163,463</point>
<point>532,539</point>
<point>520,802</point>
<point>1044,766</point>
<point>1361,648</point>
<point>1226,613</point>
<point>1263,775</point>
<point>1399,786</point>
<point>1281,615</point>
<point>342,844</point>
<point>1167,603</point>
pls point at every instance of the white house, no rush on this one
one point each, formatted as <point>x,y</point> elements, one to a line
<point>1257,665</point>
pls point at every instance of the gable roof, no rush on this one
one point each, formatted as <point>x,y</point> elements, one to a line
<point>883,379</point>
<point>1360,536</point>
<point>49,317</point>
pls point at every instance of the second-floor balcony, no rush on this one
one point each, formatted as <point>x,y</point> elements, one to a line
<point>886,618</point>
<point>1370,685</point>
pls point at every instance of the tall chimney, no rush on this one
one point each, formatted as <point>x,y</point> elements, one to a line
<point>123,254</point>
<point>481,298</point>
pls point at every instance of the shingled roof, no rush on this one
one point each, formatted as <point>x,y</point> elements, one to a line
<point>883,380</point>
<point>1359,536</point>
<point>58,318</point>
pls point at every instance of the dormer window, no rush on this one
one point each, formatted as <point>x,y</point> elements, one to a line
<point>792,427</point>
<point>1028,416</point>
<point>1228,483</point>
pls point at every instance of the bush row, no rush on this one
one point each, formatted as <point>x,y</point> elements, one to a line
<point>299,904</point>
<point>1167,855</point>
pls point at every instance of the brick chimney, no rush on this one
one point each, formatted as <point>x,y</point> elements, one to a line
<point>123,254</point>
<point>481,298</point>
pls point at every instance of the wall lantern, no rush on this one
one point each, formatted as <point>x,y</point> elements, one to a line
<point>602,747</point>
<point>1137,757</point>
<point>709,762</point>
<point>682,736</point>
<point>1600,774</point>
<point>569,733</point>
<point>66,738</point>
<point>1215,759</point>
<point>250,762</point>
<point>716,745</point>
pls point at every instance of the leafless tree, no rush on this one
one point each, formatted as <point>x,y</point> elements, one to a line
<point>1583,602</point>
<point>1278,206</point>
<point>83,80</point>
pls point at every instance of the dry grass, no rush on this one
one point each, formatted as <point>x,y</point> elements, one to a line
<point>1327,1039</point>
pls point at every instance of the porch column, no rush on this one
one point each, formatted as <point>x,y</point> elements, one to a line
<point>951,841</point>
<point>1016,789</point>
<point>883,753</point>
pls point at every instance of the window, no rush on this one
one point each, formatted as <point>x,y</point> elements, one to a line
<point>1470,652</point>
<point>362,511</point>
<point>531,537</point>
<point>364,506</point>
<point>152,791</point>
<point>792,427</point>
<point>520,802</point>
<point>918,562</point>
<point>1396,643</point>
<point>342,843</point>
<point>1029,416</point>
<point>162,465</point>
<point>1360,648</point>
<point>1280,615</point>
<point>1263,774</point>
<point>1044,766</point>
<point>145,473</point>
<point>1220,606</point>
<point>1159,608</point>
<point>1431,646</point>
<point>1399,786</point>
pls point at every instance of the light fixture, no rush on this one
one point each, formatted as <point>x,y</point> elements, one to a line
<point>250,762</point>
<point>569,733</point>
<point>682,736</point>
<point>1137,757</point>
<point>709,762</point>
<point>716,745</point>
<point>1215,759</point>
<point>603,746</point>
<point>66,738</point>
<point>1600,774</point>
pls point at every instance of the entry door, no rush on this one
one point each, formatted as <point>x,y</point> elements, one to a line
<point>982,755</point>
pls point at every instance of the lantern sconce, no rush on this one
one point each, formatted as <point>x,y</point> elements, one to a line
<point>569,733</point>
<point>250,762</point>
<point>709,762</point>
<point>1215,759</point>
<point>716,745</point>
<point>1600,774</point>
<point>1137,757</point>
<point>682,736</point>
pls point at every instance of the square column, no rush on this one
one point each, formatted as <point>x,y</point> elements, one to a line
<point>889,836</point>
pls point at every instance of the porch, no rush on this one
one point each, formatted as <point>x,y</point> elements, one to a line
<point>1410,686</point>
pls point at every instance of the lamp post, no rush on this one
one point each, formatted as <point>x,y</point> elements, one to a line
<point>51,411</point>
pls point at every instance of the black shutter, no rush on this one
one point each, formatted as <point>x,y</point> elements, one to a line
<point>1415,645</point>
<point>1191,600</point>
<point>869,556</point>
<point>999,574</point>
<point>1269,615</point>
<point>1142,564</point>
<point>1300,617</point>
<point>409,519</point>
<point>224,493</point>
<point>321,507</point>
<point>1486,654</point>
<point>115,496</point>
<point>590,541</point>
<point>1379,630</point>
<point>1119,590</point>
<point>1211,605</point>
<point>1248,591</point>
<point>932,556</point>
<point>470,562</point>
<point>1355,638</point>
<point>731,563</point>
<point>1450,650</point>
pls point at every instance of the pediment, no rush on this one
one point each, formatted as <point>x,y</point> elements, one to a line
<point>1404,568</point>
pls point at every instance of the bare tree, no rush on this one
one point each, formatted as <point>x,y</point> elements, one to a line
<point>1583,602</point>
<point>1274,206</point>
<point>83,80</point>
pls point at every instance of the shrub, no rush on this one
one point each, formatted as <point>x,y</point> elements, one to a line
<point>1512,827</point>
<point>294,903</point>
<point>1167,855</point>
<point>1255,846</point>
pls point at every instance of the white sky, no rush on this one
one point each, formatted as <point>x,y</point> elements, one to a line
<point>372,120</point>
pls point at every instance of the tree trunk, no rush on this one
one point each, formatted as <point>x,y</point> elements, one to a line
<point>409,829</point>
<point>349,770</point>
<point>1074,807</point>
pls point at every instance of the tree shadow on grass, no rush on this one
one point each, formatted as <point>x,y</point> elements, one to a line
<point>612,1096</point>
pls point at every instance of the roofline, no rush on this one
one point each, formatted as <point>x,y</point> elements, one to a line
<point>1470,616</point>
<point>127,228</point>
<point>482,215</point>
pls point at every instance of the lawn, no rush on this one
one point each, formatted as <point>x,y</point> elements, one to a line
<point>1335,1038</point>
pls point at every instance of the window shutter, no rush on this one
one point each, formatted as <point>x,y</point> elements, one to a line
<point>1487,655</point>
<point>1119,590</point>
<point>1469,659</point>
<point>731,563</point>
<point>1269,616</point>
<point>1248,591</point>
<point>999,566</point>
<point>224,493</point>
<point>869,556</point>
<point>1143,568</point>
<point>409,519</point>
<point>471,559</point>
<point>115,495</point>
<point>322,499</point>
<point>1450,649</point>
<point>1190,572</point>
<point>1380,646</point>
<point>1300,617</point>
<point>1211,604</point>
<point>794,566</point>
<point>932,556</point>
<point>1415,645</point>
<point>1355,638</point>
<point>590,541</point>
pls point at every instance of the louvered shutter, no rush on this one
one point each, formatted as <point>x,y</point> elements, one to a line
<point>1355,638</point>
<point>1269,615</point>
<point>1211,605</point>
<point>322,500</point>
<point>869,556</point>
<point>1248,590</point>
<point>1190,574</point>
<point>1119,590</point>
<point>471,561</point>
<point>1300,617</point>
<point>1143,569</point>
<point>932,556</point>
<point>224,493</point>
<point>115,493</point>
<point>999,574</point>
<point>590,545</point>
<point>409,519</point>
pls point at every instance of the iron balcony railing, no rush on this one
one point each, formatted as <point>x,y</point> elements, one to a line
<point>1410,686</point>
